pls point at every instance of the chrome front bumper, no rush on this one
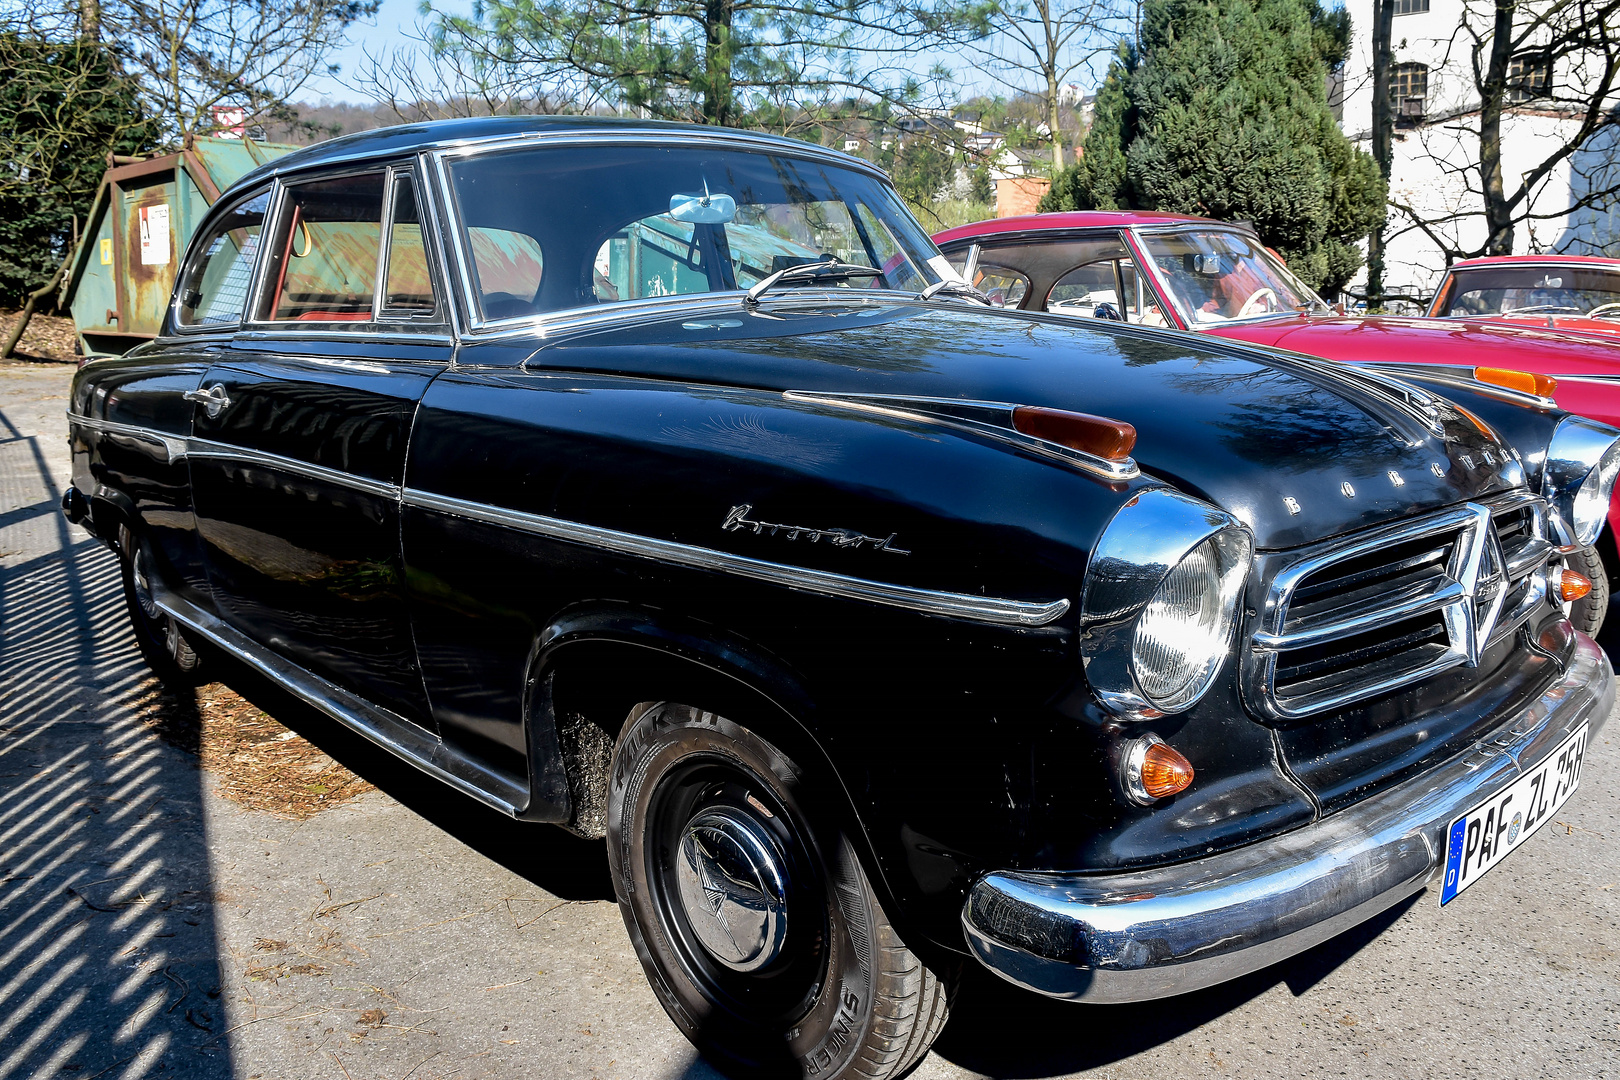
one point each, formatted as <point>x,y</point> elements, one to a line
<point>1147,934</point>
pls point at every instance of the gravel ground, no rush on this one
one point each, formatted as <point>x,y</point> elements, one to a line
<point>150,925</point>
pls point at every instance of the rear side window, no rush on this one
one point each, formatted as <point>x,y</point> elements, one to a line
<point>214,287</point>
<point>508,265</point>
<point>323,267</point>
<point>408,289</point>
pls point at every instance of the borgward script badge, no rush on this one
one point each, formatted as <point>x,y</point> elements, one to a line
<point>737,518</point>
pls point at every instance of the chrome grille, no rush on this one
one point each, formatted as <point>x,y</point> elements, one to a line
<point>1370,613</point>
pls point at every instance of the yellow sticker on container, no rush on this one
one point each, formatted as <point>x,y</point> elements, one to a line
<point>106,253</point>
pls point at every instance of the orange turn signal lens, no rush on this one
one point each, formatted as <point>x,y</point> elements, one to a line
<point>1525,382</point>
<point>1573,586</point>
<point>1098,436</point>
<point>1159,771</point>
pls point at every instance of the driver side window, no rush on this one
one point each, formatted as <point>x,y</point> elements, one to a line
<point>1110,289</point>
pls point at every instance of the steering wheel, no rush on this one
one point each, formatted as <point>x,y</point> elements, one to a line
<point>1108,311</point>
<point>1604,311</point>
<point>1250,306</point>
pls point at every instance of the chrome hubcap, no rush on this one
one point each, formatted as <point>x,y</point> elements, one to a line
<point>733,887</point>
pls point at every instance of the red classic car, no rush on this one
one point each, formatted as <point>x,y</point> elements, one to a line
<point>1218,278</point>
<point>1555,292</point>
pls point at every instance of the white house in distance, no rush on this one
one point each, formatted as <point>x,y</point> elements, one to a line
<point>1436,145</point>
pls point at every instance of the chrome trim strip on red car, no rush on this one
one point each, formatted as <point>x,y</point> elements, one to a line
<point>953,605</point>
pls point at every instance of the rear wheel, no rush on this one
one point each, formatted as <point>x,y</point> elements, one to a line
<point>1587,613</point>
<point>162,643</point>
<point>753,919</point>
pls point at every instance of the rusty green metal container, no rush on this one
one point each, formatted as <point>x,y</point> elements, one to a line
<point>143,215</point>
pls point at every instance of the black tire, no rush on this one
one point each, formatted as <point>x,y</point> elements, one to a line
<point>162,643</point>
<point>1587,613</point>
<point>837,993</point>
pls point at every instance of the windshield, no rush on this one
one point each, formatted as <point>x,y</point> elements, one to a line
<point>550,228</point>
<point>1535,290</point>
<point>1217,276</point>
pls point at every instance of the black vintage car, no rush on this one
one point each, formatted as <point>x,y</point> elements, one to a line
<point>664,484</point>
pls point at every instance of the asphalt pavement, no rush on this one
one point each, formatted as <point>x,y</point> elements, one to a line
<point>149,927</point>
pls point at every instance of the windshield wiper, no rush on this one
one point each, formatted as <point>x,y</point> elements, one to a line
<point>828,269</point>
<point>947,286</point>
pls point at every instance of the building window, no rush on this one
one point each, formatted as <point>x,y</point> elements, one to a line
<point>1411,7</point>
<point>1529,77</point>
<point>1408,90</point>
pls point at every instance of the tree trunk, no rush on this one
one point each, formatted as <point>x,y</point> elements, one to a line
<point>1492,92</point>
<point>1052,119</point>
<point>90,20</point>
<point>1383,131</point>
<point>717,101</point>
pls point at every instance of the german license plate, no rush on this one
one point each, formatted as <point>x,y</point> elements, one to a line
<point>1486,835</point>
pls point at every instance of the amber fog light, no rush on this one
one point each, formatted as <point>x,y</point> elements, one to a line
<point>1154,770</point>
<point>1573,586</point>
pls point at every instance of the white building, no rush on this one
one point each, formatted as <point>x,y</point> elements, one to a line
<point>1436,145</point>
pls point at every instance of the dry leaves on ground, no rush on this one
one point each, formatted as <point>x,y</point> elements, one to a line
<point>259,764</point>
<point>48,337</point>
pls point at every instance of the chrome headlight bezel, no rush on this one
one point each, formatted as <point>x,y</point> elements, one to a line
<point>1147,538</point>
<point>1582,455</point>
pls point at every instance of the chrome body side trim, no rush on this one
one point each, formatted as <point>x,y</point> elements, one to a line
<point>216,451</point>
<point>1022,613</point>
<point>953,605</point>
<point>174,446</point>
<point>388,730</point>
<point>1147,934</point>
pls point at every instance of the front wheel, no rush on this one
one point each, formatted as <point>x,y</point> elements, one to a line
<point>162,643</point>
<point>754,921</point>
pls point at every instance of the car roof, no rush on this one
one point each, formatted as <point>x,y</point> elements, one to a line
<point>411,138</point>
<point>1545,260</point>
<point>1071,219</point>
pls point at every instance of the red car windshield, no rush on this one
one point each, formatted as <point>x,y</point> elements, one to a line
<point>1217,276</point>
<point>1535,290</point>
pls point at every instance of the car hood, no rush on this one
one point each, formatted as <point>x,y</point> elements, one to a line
<point>1432,341</point>
<point>1297,448</point>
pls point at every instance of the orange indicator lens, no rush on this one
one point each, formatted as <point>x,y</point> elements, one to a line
<point>1573,586</point>
<point>1523,381</point>
<point>1098,436</point>
<point>1165,772</point>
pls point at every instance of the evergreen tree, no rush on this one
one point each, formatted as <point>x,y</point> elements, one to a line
<point>1223,113</point>
<point>65,104</point>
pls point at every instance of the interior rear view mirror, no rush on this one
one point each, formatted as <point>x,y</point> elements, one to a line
<point>704,209</point>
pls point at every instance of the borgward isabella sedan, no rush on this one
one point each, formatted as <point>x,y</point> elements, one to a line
<point>662,483</point>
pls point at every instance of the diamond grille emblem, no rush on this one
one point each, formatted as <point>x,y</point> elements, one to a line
<point>1481,571</point>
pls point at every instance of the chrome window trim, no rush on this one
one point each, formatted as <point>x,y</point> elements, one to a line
<point>1019,613</point>
<point>477,326</point>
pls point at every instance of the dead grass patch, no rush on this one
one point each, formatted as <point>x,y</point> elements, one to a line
<point>49,337</point>
<point>259,764</point>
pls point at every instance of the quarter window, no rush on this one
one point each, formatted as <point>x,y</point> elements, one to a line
<point>214,288</point>
<point>408,288</point>
<point>324,265</point>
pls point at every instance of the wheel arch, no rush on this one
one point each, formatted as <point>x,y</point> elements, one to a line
<point>593,665</point>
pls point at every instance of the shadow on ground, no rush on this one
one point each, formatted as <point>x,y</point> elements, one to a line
<point>108,963</point>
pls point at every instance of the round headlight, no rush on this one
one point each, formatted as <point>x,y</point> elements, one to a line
<point>1160,601</point>
<point>1590,507</point>
<point>1185,631</point>
<point>1577,479</point>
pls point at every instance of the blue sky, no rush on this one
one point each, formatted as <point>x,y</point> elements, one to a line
<point>397,18</point>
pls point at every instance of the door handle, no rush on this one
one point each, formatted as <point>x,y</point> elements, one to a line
<point>215,400</point>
